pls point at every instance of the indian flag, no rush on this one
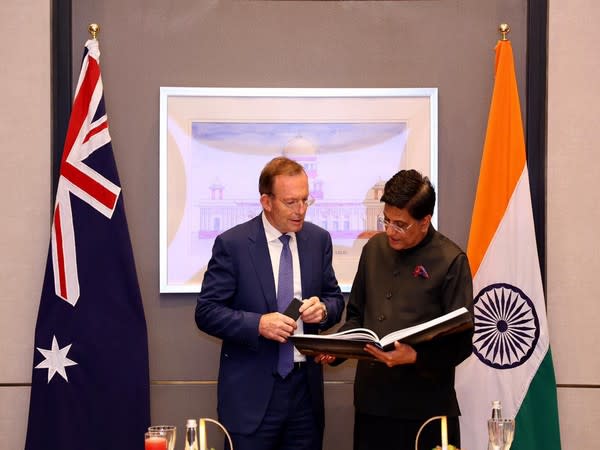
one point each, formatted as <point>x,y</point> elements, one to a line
<point>511,359</point>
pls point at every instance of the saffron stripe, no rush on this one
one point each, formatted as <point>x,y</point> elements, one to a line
<point>503,159</point>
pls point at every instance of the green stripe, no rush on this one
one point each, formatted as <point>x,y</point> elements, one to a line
<point>536,426</point>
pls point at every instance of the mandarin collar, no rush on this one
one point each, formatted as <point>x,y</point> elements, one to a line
<point>422,243</point>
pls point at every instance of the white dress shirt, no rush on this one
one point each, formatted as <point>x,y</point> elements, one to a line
<point>275,246</point>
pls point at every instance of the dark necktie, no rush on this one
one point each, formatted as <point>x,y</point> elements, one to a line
<point>285,293</point>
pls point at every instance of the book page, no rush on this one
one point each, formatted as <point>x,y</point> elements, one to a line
<point>406,332</point>
<point>355,334</point>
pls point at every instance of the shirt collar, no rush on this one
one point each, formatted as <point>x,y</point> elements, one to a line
<point>271,232</point>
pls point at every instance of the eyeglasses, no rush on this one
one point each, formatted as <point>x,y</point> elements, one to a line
<point>296,204</point>
<point>389,224</point>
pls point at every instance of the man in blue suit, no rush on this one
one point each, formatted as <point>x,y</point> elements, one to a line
<point>263,407</point>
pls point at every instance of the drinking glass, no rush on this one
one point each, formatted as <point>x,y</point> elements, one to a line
<point>501,433</point>
<point>155,440</point>
<point>170,432</point>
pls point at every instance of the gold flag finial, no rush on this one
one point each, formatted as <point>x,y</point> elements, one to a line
<point>504,29</point>
<point>94,29</point>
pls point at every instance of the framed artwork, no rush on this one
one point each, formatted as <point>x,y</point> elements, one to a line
<point>214,143</point>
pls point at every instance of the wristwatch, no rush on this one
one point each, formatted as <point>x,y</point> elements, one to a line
<point>324,312</point>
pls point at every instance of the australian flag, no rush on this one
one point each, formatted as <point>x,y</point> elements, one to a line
<point>90,382</point>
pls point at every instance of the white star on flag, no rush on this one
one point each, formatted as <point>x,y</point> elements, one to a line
<point>56,360</point>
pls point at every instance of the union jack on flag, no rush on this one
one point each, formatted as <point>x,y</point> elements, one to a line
<point>87,132</point>
<point>90,361</point>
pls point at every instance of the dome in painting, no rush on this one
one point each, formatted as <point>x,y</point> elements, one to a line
<point>299,146</point>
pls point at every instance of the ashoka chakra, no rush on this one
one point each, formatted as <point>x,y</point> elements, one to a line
<point>506,326</point>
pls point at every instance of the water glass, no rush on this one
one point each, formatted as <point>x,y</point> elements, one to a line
<point>170,432</point>
<point>501,433</point>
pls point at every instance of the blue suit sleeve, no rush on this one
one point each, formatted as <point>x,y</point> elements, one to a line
<point>216,313</point>
<point>331,294</point>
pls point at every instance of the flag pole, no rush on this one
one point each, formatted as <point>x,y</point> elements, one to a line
<point>94,29</point>
<point>504,28</point>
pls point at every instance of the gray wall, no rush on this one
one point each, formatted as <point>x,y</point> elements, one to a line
<point>147,44</point>
<point>25,186</point>
<point>573,196</point>
<point>152,43</point>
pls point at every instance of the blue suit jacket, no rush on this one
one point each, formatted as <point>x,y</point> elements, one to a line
<point>238,288</point>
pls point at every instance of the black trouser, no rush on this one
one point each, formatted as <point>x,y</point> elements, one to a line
<point>390,433</point>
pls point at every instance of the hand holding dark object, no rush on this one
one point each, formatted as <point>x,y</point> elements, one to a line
<point>313,310</point>
<point>276,326</point>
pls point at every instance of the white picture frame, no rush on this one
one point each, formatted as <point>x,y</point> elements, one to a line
<point>215,141</point>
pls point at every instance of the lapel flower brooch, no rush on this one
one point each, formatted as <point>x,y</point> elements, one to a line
<point>419,271</point>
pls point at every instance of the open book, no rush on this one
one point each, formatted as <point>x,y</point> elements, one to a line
<point>351,343</point>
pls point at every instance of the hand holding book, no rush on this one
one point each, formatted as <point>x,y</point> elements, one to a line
<point>400,354</point>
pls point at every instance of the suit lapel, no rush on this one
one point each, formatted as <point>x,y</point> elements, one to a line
<point>304,255</point>
<point>261,260</point>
